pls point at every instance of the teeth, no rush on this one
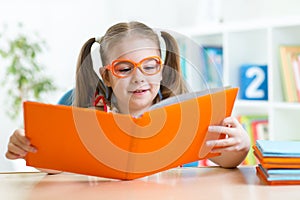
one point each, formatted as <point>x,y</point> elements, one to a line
<point>139,90</point>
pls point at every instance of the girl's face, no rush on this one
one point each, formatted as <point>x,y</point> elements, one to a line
<point>136,92</point>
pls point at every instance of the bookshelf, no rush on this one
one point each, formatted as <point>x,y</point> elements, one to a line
<point>256,42</point>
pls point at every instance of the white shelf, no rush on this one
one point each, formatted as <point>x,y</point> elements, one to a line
<point>287,106</point>
<point>257,42</point>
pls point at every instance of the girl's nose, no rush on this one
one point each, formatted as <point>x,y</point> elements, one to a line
<point>137,76</point>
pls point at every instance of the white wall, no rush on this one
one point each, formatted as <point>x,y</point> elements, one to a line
<point>66,25</point>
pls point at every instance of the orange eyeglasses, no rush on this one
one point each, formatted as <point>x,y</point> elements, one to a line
<point>122,68</point>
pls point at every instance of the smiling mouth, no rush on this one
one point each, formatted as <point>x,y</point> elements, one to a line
<point>139,91</point>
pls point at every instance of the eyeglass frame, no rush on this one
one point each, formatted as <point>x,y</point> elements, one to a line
<point>135,65</point>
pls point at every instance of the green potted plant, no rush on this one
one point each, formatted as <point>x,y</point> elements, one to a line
<point>24,78</point>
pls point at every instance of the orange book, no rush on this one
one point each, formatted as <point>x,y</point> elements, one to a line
<point>111,145</point>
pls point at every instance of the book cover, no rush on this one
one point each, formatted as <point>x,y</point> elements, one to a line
<point>260,129</point>
<point>275,181</point>
<point>276,162</point>
<point>112,145</point>
<point>295,60</point>
<point>288,80</point>
<point>213,64</point>
<point>281,174</point>
<point>271,148</point>
<point>280,165</point>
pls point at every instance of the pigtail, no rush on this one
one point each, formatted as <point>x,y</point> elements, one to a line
<point>174,83</point>
<point>87,80</point>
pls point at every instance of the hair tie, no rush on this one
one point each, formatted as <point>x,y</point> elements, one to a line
<point>98,39</point>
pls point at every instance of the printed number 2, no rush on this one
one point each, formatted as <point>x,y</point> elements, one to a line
<point>253,90</point>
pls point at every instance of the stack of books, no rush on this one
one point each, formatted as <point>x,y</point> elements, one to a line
<point>279,161</point>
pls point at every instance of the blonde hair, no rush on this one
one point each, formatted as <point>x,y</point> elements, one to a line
<point>88,82</point>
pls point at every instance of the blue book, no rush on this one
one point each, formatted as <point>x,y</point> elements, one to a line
<point>280,174</point>
<point>269,148</point>
<point>212,57</point>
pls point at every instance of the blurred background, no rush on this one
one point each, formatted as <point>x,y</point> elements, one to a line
<point>65,25</point>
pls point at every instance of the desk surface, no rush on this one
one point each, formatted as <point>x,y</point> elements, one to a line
<point>179,183</point>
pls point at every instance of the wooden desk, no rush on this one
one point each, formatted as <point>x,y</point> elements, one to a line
<point>179,183</point>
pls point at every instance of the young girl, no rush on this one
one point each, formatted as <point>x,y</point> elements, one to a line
<point>134,78</point>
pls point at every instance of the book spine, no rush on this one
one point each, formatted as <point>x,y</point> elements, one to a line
<point>288,80</point>
<point>296,70</point>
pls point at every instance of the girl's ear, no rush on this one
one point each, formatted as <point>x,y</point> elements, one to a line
<point>105,76</point>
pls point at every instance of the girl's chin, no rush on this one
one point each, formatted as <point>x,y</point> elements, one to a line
<point>140,107</point>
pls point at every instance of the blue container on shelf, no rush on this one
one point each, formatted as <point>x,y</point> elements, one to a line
<point>253,81</point>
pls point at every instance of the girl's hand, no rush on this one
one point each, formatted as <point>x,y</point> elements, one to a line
<point>237,139</point>
<point>18,145</point>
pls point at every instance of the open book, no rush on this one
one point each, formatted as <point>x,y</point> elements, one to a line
<point>111,145</point>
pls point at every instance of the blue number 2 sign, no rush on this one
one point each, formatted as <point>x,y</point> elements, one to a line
<point>254,82</point>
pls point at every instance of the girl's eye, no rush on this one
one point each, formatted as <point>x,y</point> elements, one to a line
<point>123,68</point>
<point>150,66</point>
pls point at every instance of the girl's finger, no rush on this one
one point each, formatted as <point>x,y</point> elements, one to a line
<point>221,142</point>
<point>221,129</point>
<point>231,122</point>
<point>234,148</point>
<point>16,150</point>
<point>22,144</point>
<point>12,156</point>
<point>20,136</point>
